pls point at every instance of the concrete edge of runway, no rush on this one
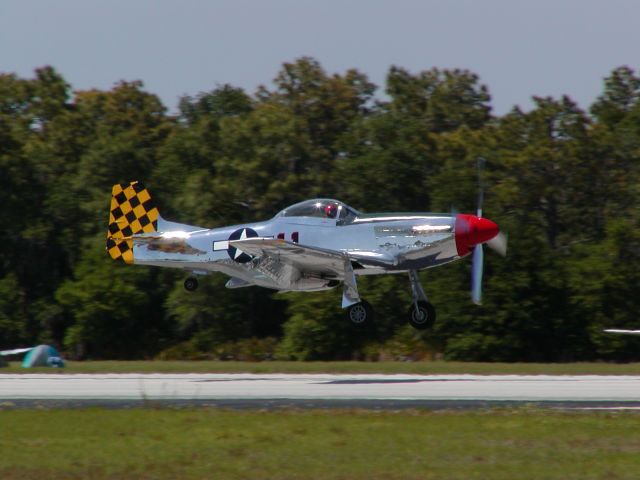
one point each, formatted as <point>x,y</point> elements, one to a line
<point>319,404</point>
<point>326,391</point>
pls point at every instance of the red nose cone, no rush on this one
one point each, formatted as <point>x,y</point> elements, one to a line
<point>471,231</point>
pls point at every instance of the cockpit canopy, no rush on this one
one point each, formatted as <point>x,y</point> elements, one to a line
<point>320,207</point>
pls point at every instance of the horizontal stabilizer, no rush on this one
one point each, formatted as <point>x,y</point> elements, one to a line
<point>133,213</point>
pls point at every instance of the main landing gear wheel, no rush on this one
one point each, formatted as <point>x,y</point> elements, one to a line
<point>360,314</point>
<point>191,284</point>
<point>423,316</point>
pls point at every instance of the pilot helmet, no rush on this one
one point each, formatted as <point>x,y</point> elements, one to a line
<point>331,210</point>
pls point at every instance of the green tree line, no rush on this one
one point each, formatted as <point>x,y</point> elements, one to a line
<point>563,182</point>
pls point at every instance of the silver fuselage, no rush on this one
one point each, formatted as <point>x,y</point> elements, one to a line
<point>376,244</point>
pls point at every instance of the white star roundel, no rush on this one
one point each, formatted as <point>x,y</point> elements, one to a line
<point>235,253</point>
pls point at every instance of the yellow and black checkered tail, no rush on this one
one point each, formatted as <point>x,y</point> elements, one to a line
<point>132,212</point>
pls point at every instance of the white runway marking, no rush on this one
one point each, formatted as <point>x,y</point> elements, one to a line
<point>532,388</point>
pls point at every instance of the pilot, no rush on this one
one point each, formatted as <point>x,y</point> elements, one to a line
<point>331,210</point>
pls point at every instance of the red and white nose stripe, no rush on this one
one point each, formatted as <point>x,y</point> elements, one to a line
<point>471,231</point>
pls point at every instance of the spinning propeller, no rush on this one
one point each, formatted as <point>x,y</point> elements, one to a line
<point>472,231</point>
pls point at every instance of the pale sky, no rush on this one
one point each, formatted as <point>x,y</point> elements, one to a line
<point>518,48</point>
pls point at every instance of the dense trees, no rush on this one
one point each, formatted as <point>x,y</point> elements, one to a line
<point>565,184</point>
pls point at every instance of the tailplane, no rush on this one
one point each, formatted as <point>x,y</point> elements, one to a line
<point>132,212</point>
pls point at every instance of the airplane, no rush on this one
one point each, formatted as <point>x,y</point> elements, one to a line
<point>313,245</point>
<point>15,351</point>
<point>624,332</point>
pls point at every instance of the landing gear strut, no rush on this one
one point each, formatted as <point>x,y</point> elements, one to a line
<point>422,314</point>
<point>191,284</point>
<point>359,312</point>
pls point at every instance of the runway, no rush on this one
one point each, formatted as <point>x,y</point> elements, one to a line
<point>319,390</point>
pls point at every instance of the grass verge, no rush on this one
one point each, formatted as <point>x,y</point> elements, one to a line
<point>337,367</point>
<point>295,444</point>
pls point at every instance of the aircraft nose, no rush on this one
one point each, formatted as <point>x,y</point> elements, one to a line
<point>472,230</point>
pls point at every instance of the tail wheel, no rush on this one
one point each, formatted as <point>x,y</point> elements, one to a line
<point>360,314</point>
<point>423,316</point>
<point>191,284</point>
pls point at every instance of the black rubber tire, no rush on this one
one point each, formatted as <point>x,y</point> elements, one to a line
<point>360,315</point>
<point>422,318</point>
<point>191,284</point>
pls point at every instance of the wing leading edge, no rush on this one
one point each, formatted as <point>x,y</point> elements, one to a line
<point>304,258</point>
<point>308,259</point>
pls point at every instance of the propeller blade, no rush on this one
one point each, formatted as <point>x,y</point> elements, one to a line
<point>499,244</point>
<point>476,274</point>
<point>480,166</point>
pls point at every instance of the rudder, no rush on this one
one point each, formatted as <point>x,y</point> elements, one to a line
<point>132,212</point>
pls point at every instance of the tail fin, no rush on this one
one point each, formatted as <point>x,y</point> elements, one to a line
<point>132,212</point>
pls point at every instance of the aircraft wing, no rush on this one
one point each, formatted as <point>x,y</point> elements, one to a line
<point>627,332</point>
<point>15,351</point>
<point>304,258</point>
